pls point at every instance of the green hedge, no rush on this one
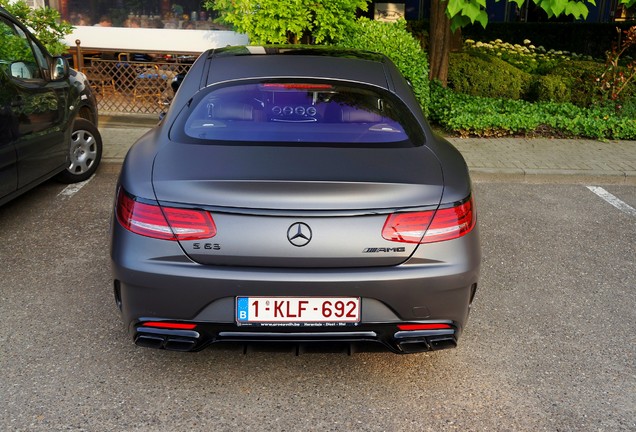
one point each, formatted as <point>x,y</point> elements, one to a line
<point>566,80</point>
<point>549,88</point>
<point>393,40</point>
<point>479,116</point>
<point>482,75</point>
<point>580,77</point>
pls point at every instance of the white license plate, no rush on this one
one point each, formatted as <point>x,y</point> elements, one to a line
<point>297,310</point>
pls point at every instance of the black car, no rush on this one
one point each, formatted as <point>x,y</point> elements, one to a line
<point>48,115</point>
<point>294,194</point>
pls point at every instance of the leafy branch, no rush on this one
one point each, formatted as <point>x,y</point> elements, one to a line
<point>46,24</point>
<point>464,12</point>
<point>288,21</point>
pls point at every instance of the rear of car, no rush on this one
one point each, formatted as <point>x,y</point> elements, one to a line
<point>294,196</point>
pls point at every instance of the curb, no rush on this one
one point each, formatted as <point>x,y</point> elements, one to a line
<point>533,176</point>
<point>128,120</point>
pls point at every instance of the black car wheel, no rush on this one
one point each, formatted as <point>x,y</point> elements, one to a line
<point>85,152</point>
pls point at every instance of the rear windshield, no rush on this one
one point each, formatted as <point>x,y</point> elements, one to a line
<point>298,112</point>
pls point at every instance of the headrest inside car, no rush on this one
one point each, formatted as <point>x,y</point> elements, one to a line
<point>231,111</point>
<point>353,115</point>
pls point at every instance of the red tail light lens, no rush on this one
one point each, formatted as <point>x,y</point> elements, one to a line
<point>430,226</point>
<point>165,223</point>
<point>451,223</point>
<point>190,224</point>
<point>407,227</point>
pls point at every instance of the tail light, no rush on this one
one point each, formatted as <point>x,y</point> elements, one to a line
<point>430,226</point>
<point>166,223</point>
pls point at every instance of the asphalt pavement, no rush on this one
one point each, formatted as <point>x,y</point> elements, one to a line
<point>515,159</point>
<point>549,346</point>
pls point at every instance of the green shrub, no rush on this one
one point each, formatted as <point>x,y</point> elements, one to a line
<point>479,116</point>
<point>581,78</point>
<point>284,21</point>
<point>480,74</point>
<point>490,70</point>
<point>393,40</point>
<point>627,108</point>
<point>549,88</point>
<point>45,23</point>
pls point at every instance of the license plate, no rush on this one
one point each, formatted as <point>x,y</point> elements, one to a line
<point>253,310</point>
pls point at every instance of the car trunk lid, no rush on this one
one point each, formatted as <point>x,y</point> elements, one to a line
<point>266,199</point>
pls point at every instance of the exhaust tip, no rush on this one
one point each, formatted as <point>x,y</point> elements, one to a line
<point>170,340</point>
<point>147,341</point>
<point>427,344</point>
<point>443,343</point>
<point>180,344</point>
<point>414,346</point>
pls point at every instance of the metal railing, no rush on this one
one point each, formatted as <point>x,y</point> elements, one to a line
<point>123,86</point>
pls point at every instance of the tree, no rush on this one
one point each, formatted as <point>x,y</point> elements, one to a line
<point>288,21</point>
<point>448,16</point>
<point>292,21</point>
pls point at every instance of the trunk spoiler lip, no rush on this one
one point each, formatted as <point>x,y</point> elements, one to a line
<point>299,213</point>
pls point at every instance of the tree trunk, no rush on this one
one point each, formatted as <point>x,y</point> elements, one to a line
<point>439,42</point>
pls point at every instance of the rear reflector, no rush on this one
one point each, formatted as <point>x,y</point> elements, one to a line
<point>430,226</point>
<point>434,326</point>
<point>166,223</point>
<point>169,325</point>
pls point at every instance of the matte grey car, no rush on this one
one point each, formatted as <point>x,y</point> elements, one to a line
<point>294,195</point>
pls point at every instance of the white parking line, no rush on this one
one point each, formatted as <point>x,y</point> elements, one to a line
<point>72,189</point>
<point>622,206</point>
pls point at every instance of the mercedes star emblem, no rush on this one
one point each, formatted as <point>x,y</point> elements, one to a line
<point>299,234</point>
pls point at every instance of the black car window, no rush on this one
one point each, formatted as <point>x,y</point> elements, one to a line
<point>16,54</point>
<point>299,112</point>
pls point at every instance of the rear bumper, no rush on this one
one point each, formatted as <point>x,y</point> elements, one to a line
<point>385,336</point>
<point>154,280</point>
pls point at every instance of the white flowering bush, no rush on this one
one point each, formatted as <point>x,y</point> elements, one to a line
<point>524,71</point>
<point>527,57</point>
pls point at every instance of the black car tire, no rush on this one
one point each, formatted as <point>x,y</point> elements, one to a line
<point>85,152</point>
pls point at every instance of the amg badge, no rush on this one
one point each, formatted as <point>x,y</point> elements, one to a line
<point>384,249</point>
